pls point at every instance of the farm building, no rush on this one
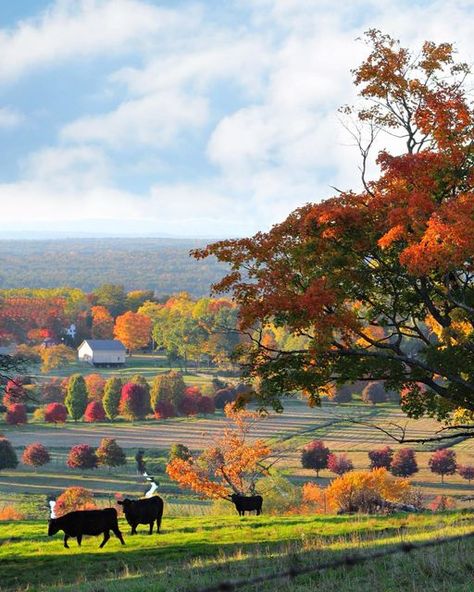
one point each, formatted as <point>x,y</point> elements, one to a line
<point>102,352</point>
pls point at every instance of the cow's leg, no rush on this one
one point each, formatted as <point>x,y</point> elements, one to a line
<point>79,539</point>
<point>65,541</point>
<point>134,529</point>
<point>158,524</point>
<point>151,527</point>
<point>106,538</point>
<point>118,534</point>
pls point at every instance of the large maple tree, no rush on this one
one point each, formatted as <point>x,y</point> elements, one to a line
<point>377,284</point>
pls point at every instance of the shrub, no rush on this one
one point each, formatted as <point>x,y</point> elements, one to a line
<point>314,499</point>
<point>95,384</point>
<point>404,463</point>
<point>206,405</point>
<point>381,458</point>
<point>36,455</point>
<point>10,514</point>
<point>134,401</point>
<point>189,404</point>
<point>110,453</point>
<point>164,410</point>
<point>111,398</point>
<point>82,456</point>
<point>16,414</point>
<point>52,391</point>
<point>374,393</point>
<point>441,503</point>
<point>74,498</point>
<point>315,456</point>
<point>14,393</point>
<point>224,396</point>
<point>55,413</point>
<point>341,394</point>
<point>443,462</point>
<point>76,397</point>
<point>281,496</point>
<point>8,458</point>
<point>179,451</point>
<point>169,387</point>
<point>38,414</point>
<point>94,412</point>
<point>466,472</point>
<point>339,464</point>
<point>365,491</point>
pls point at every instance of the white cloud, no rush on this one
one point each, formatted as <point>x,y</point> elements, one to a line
<point>10,117</point>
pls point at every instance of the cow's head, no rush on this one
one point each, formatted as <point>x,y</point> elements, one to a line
<point>53,526</point>
<point>126,503</point>
<point>235,497</point>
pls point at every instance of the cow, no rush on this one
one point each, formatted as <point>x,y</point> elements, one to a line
<point>247,503</point>
<point>86,522</point>
<point>143,511</point>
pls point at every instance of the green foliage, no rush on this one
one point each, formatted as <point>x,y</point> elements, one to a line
<point>110,453</point>
<point>168,387</point>
<point>8,458</point>
<point>112,296</point>
<point>179,451</point>
<point>76,397</point>
<point>111,399</point>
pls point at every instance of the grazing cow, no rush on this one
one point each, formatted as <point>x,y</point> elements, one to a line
<point>247,503</point>
<point>89,522</point>
<point>143,511</point>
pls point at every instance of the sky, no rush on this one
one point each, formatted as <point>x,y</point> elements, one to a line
<point>186,118</point>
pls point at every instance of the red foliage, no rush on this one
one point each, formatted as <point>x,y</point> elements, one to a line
<point>164,410</point>
<point>466,472</point>
<point>134,401</point>
<point>339,464</point>
<point>16,414</point>
<point>443,462</point>
<point>189,404</point>
<point>381,458</point>
<point>315,456</point>
<point>94,412</point>
<point>82,456</point>
<point>55,413</point>
<point>35,455</point>
<point>206,405</point>
<point>14,392</point>
<point>74,498</point>
<point>404,463</point>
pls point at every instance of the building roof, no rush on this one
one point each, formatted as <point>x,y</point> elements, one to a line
<point>104,344</point>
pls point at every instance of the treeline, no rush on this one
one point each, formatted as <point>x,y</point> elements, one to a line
<point>161,265</point>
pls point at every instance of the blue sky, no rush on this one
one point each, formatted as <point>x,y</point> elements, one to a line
<point>202,118</point>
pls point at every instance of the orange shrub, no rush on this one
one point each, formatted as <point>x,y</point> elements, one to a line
<point>74,498</point>
<point>10,514</point>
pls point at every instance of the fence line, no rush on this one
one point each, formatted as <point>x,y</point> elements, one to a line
<point>346,561</point>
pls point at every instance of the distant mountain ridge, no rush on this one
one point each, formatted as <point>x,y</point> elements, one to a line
<point>161,264</point>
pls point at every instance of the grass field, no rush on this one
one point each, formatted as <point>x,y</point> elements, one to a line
<point>195,552</point>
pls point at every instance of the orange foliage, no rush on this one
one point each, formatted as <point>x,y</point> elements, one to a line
<point>102,323</point>
<point>231,465</point>
<point>133,330</point>
<point>10,514</point>
<point>74,498</point>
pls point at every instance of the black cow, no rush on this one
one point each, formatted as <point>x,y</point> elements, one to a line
<point>247,503</point>
<point>89,522</point>
<point>143,511</point>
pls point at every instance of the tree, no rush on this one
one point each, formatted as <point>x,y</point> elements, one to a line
<point>94,412</point>
<point>14,392</point>
<point>110,453</point>
<point>374,393</point>
<point>443,462</point>
<point>339,464</point>
<point>52,391</point>
<point>168,387</point>
<point>55,413</point>
<point>102,323</point>
<point>341,394</point>
<point>76,397</point>
<point>179,451</point>
<point>381,458</point>
<point>112,297</point>
<point>111,398</point>
<point>315,456</point>
<point>224,396</point>
<point>95,385</point>
<point>206,406</point>
<point>35,455</point>
<point>56,356</point>
<point>82,456</point>
<point>137,298</point>
<point>379,280</point>
<point>8,458</point>
<point>133,330</point>
<point>233,463</point>
<point>404,463</point>
<point>164,410</point>
<point>466,472</point>
<point>16,414</point>
<point>73,499</point>
<point>134,402</point>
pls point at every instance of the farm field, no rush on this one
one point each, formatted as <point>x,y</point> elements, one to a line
<point>195,552</point>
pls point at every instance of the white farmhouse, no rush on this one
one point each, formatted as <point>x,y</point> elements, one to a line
<point>102,352</point>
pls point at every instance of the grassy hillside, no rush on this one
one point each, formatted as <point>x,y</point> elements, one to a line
<point>195,552</point>
<point>156,264</point>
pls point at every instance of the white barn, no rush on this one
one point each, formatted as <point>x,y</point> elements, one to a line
<point>102,352</point>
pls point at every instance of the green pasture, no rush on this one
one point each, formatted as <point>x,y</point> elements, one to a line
<point>194,552</point>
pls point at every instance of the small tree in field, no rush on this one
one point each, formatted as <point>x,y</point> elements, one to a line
<point>231,464</point>
<point>35,455</point>
<point>164,410</point>
<point>55,413</point>
<point>381,458</point>
<point>73,499</point>
<point>110,453</point>
<point>94,412</point>
<point>16,414</point>
<point>315,456</point>
<point>341,394</point>
<point>14,393</point>
<point>95,386</point>
<point>179,451</point>
<point>82,456</point>
<point>76,397</point>
<point>443,462</point>
<point>374,393</point>
<point>111,399</point>
<point>8,458</point>
<point>404,463</point>
<point>134,401</point>
<point>339,464</point>
<point>466,472</point>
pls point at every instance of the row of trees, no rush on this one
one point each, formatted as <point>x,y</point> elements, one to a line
<point>401,463</point>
